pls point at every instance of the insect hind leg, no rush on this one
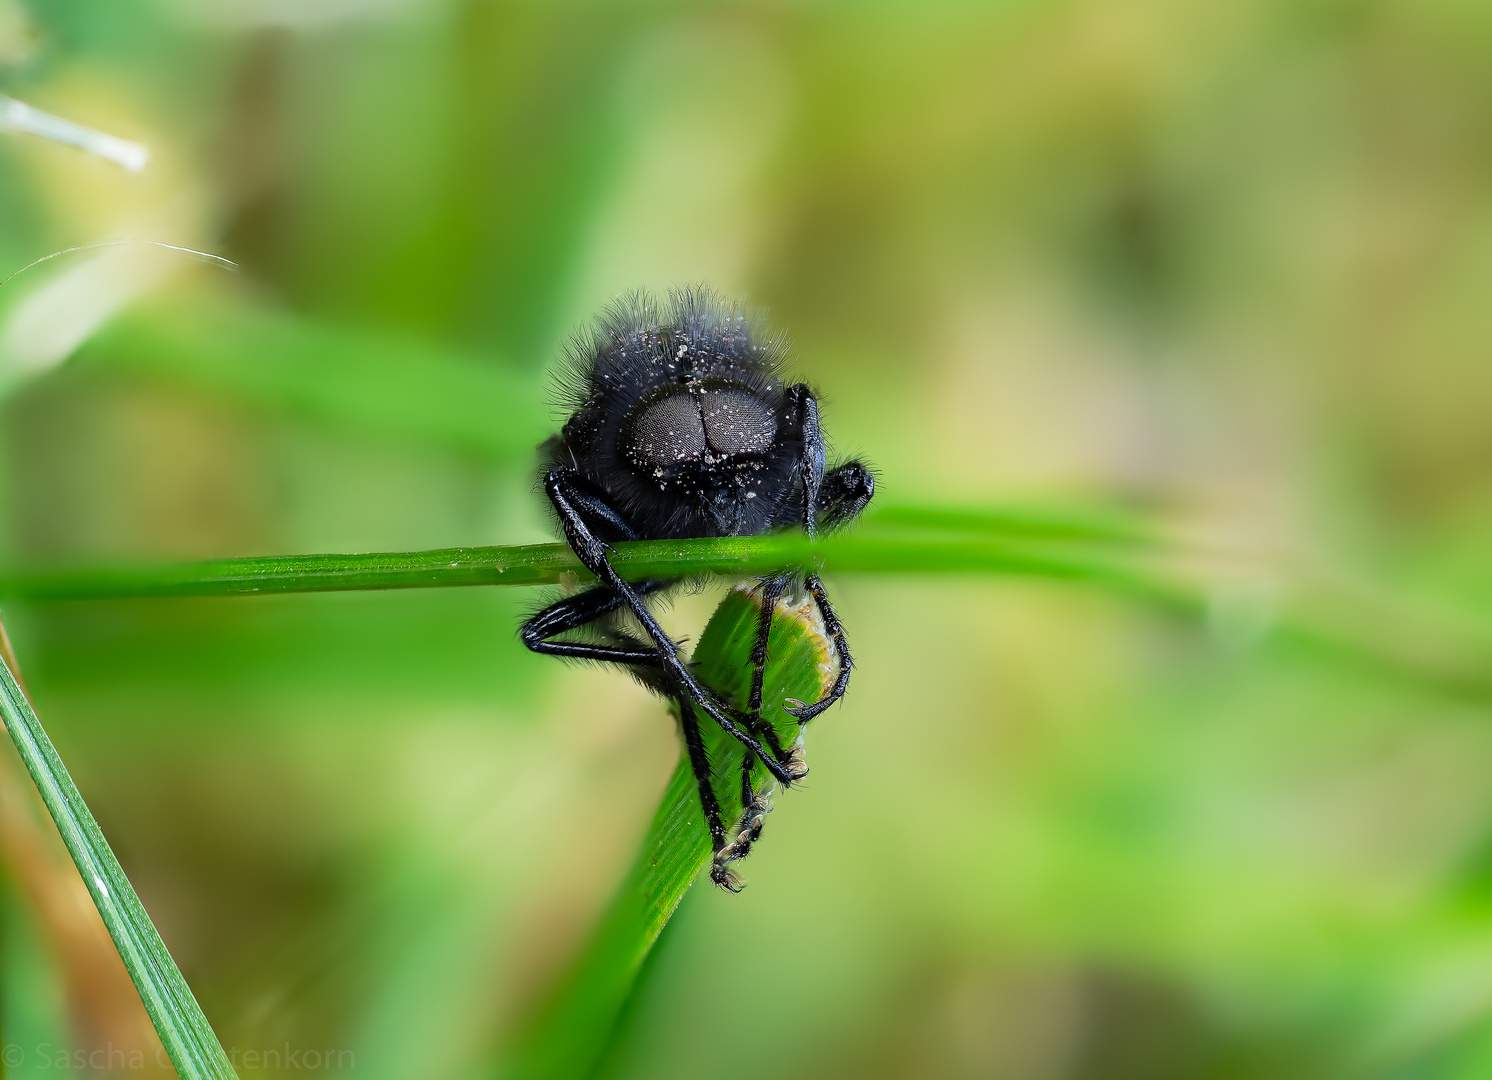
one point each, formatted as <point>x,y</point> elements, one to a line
<point>583,609</point>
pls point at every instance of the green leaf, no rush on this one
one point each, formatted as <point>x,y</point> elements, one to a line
<point>178,1020</point>
<point>571,1035</point>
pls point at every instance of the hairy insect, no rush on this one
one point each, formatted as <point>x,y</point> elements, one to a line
<point>681,426</point>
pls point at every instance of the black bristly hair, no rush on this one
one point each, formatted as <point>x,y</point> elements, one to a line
<point>681,425</point>
<point>697,355</point>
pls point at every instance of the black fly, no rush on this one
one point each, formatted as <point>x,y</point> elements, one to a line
<point>682,427</point>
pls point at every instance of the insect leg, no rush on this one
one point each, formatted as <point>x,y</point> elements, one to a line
<point>754,809</point>
<point>754,805</point>
<point>811,464</point>
<point>576,611</point>
<point>699,762</point>
<point>772,588</point>
<point>569,493</point>
<point>839,496</point>
<point>835,630</point>
<point>747,795</point>
<point>845,492</point>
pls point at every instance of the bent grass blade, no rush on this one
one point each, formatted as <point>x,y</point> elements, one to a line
<point>572,1034</point>
<point>184,1032</point>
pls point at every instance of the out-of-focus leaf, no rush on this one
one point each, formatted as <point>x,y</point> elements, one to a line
<point>373,383</point>
<point>571,1034</point>
<point>188,1038</point>
<point>457,645</point>
<point>32,1008</point>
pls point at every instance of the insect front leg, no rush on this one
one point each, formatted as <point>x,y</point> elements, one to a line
<point>835,630</point>
<point>841,498</point>
<point>844,494</point>
<point>811,462</point>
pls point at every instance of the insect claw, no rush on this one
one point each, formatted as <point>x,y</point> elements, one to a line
<point>722,876</point>
<point>796,767</point>
<point>804,713</point>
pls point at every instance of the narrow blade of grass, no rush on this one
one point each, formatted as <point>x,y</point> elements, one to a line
<point>188,1038</point>
<point>1451,658</point>
<point>545,564</point>
<point>570,1037</point>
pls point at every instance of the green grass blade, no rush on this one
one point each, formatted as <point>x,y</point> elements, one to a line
<point>178,1020</point>
<point>1447,658</point>
<point>571,1035</point>
<point>542,564</point>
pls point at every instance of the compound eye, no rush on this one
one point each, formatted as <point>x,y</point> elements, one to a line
<point>667,432</point>
<point>737,422</point>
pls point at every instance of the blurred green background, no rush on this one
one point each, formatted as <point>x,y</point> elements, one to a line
<point>1226,264</point>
